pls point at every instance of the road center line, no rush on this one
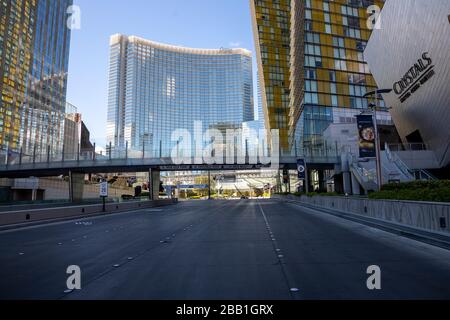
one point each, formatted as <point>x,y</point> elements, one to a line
<point>280,257</point>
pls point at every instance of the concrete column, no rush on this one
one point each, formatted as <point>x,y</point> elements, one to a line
<point>76,186</point>
<point>322,182</point>
<point>209,185</point>
<point>154,180</point>
<point>346,175</point>
<point>347,180</point>
<point>310,185</point>
<point>356,189</point>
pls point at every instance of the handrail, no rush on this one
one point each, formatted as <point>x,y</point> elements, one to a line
<point>427,175</point>
<point>408,147</point>
<point>366,175</point>
<point>404,168</point>
<point>398,162</point>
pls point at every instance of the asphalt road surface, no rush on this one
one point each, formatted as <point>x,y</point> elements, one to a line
<point>244,249</point>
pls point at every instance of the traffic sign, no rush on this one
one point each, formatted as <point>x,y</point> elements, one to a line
<point>104,189</point>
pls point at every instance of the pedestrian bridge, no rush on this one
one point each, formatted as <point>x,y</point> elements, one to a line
<point>96,164</point>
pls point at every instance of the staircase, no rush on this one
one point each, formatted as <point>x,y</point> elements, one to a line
<point>415,174</point>
<point>392,170</point>
<point>365,175</point>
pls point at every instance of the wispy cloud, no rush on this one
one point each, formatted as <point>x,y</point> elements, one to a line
<point>234,44</point>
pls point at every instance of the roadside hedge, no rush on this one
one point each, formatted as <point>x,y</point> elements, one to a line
<point>310,194</point>
<point>434,191</point>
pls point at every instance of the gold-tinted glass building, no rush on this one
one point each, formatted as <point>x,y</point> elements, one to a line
<point>17,19</point>
<point>313,73</point>
<point>335,76</point>
<point>271,24</point>
<point>34,60</point>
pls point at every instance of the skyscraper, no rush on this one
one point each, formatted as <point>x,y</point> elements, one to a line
<point>17,20</point>
<point>311,64</point>
<point>155,89</point>
<point>271,26</point>
<point>34,56</point>
<point>329,72</point>
<point>44,110</point>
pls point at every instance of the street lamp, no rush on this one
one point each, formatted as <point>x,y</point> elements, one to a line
<point>374,106</point>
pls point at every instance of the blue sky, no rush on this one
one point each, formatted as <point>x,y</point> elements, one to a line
<point>191,23</point>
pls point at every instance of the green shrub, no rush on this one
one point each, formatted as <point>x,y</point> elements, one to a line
<point>417,185</point>
<point>323,194</point>
<point>434,191</point>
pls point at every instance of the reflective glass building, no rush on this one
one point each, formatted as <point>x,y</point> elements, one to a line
<point>34,58</point>
<point>43,114</point>
<point>271,27</point>
<point>329,74</point>
<point>155,89</point>
<point>311,64</point>
<point>17,20</point>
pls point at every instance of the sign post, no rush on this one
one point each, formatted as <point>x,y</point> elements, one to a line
<point>369,139</point>
<point>104,193</point>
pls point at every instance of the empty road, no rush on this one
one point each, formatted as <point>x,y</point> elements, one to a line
<point>244,249</point>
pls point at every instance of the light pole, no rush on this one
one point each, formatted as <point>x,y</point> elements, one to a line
<point>374,106</point>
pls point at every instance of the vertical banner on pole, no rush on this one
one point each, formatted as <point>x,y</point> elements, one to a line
<point>367,136</point>
<point>301,169</point>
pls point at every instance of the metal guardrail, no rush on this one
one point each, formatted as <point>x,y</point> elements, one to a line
<point>398,162</point>
<point>424,175</point>
<point>17,157</point>
<point>367,175</point>
<point>408,147</point>
<point>19,164</point>
<point>413,174</point>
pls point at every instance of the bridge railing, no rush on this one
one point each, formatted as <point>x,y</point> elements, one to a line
<point>319,154</point>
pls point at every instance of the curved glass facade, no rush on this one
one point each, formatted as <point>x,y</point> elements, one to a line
<point>155,89</point>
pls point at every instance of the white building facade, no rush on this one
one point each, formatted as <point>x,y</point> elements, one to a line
<point>410,54</point>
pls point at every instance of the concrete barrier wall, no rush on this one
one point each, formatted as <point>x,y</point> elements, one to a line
<point>17,217</point>
<point>422,215</point>
<point>58,189</point>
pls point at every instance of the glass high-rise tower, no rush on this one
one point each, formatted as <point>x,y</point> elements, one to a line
<point>271,26</point>
<point>311,64</point>
<point>330,75</point>
<point>43,114</point>
<point>17,20</point>
<point>155,89</point>
<point>34,58</point>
